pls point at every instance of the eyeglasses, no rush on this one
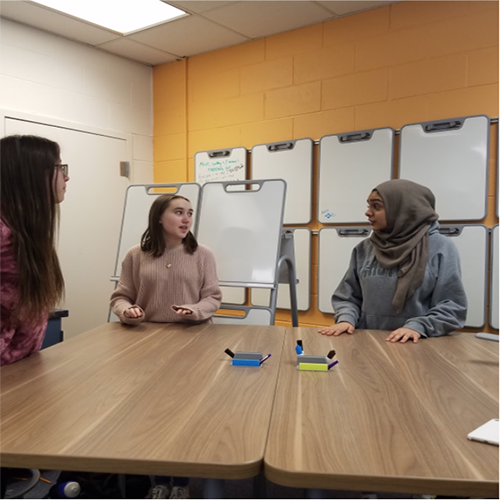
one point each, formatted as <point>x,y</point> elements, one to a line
<point>64,168</point>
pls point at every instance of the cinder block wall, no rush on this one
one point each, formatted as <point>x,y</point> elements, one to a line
<point>408,62</point>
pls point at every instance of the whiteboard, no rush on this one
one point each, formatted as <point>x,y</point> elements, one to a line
<point>220,165</point>
<point>351,165</point>
<point>243,229</point>
<point>138,201</point>
<point>291,161</point>
<point>451,158</point>
<point>472,245</point>
<point>302,246</point>
<point>494,279</point>
<point>335,247</point>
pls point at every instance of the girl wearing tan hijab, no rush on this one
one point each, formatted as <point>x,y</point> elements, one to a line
<point>406,277</point>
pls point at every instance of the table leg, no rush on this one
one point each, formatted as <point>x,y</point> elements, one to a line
<point>122,479</point>
<point>316,493</point>
<point>213,488</point>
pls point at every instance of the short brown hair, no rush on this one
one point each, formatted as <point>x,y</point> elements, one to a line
<point>152,240</point>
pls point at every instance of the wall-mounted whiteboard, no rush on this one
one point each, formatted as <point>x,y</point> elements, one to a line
<point>220,165</point>
<point>243,230</point>
<point>335,247</point>
<point>451,158</point>
<point>302,247</point>
<point>291,161</point>
<point>138,201</point>
<point>472,244</point>
<point>351,165</point>
<point>494,279</point>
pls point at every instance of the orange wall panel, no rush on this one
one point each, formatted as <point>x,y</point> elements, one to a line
<point>325,63</point>
<point>359,88</point>
<point>267,75</point>
<point>293,100</point>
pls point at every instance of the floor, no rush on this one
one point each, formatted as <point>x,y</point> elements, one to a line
<point>233,489</point>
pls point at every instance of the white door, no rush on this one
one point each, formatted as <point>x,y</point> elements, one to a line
<point>91,218</point>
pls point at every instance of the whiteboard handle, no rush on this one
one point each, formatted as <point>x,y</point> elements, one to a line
<point>283,146</point>
<point>443,126</point>
<point>450,231</point>
<point>353,232</point>
<point>364,136</point>
<point>219,154</point>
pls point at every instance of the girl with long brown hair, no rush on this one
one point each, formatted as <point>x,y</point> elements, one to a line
<point>169,277</point>
<point>32,184</point>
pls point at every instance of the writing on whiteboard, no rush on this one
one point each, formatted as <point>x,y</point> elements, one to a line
<point>219,169</point>
<point>326,213</point>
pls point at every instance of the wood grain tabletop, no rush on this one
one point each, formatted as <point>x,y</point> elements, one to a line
<point>388,417</point>
<point>151,399</point>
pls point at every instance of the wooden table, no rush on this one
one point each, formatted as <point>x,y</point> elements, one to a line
<point>153,399</point>
<point>387,417</point>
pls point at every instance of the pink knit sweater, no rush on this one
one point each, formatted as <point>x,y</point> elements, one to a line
<point>155,284</point>
<point>17,340</point>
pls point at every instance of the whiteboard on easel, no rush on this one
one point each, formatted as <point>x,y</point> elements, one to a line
<point>351,165</point>
<point>293,162</point>
<point>450,157</point>
<point>243,229</point>
<point>335,248</point>
<point>494,279</point>
<point>302,245</point>
<point>220,165</point>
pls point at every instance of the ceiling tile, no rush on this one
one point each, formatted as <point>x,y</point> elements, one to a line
<point>188,36</point>
<point>264,18</point>
<point>41,18</point>
<point>348,6</point>
<point>137,51</point>
<point>198,6</point>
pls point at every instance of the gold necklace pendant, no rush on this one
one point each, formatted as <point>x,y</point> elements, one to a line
<point>169,266</point>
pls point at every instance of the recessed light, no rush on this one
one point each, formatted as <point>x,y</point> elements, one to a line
<point>122,16</point>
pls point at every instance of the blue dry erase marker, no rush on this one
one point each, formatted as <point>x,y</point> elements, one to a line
<point>333,364</point>
<point>299,350</point>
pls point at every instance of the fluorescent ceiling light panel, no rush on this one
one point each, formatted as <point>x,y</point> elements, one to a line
<point>123,16</point>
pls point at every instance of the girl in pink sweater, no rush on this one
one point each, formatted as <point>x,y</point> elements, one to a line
<point>33,183</point>
<point>169,277</point>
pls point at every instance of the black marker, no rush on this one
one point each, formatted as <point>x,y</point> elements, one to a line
<point>229,352</point>
<point>330,354</point>
<point>299,343</point>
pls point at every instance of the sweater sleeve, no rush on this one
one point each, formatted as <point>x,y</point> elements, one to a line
<point>449,302</point>
<point>348,297</point>
<point>125,293</point>
<point>210,293</point>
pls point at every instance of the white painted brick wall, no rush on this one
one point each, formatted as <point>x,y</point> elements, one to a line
<point>49,76</point>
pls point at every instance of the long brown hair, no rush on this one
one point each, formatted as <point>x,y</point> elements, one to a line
<point>29,208</point>
<point>152,240</point>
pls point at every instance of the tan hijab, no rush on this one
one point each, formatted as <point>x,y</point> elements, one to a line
<point>409,209</point>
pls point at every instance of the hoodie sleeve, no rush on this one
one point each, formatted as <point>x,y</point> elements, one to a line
<point>347,298</point>
<point>449,302</point>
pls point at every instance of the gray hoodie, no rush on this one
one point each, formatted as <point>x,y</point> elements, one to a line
<point>438,306</point>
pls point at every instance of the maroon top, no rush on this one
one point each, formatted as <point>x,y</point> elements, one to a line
<point>16,340</point>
